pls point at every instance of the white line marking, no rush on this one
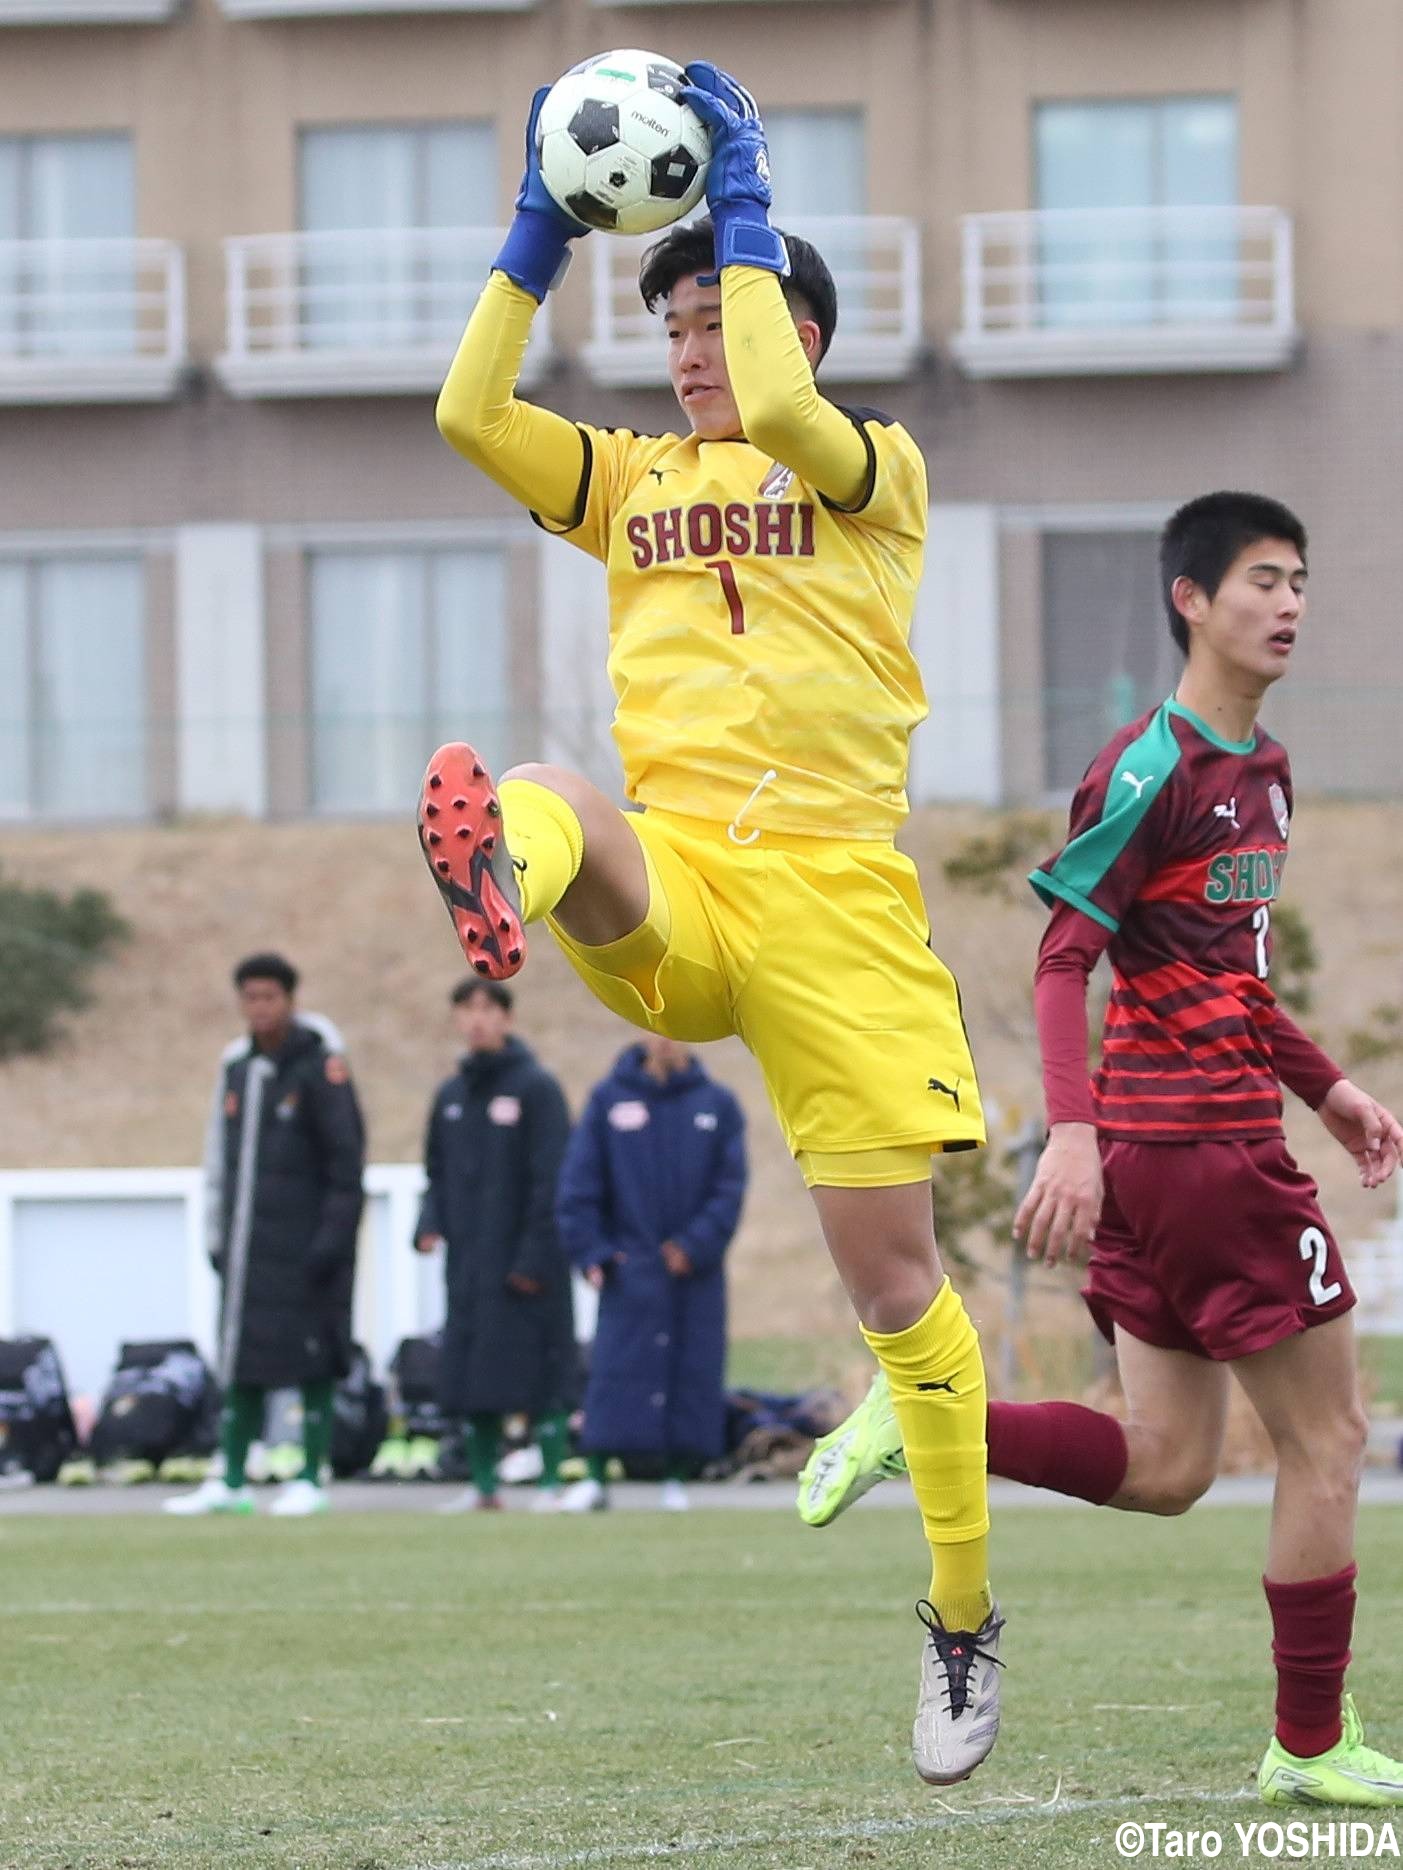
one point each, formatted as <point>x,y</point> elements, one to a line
<point>866,1828</point>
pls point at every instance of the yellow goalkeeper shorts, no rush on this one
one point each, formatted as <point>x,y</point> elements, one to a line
<point>816,953</point>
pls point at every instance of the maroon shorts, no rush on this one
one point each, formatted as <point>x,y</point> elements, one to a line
<point>1219,1249</point>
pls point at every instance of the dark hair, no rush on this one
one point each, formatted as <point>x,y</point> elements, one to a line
<point>496,992</point>
<point>267,967</point>
<point>691,248</point>
<point>1203,538</point>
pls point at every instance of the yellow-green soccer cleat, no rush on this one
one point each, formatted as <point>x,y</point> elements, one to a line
<point>389,1459</point>
<point>1349,1774</point>
<point>850,1460</point>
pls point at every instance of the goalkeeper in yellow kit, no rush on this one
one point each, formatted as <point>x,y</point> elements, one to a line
<point>762,572</point>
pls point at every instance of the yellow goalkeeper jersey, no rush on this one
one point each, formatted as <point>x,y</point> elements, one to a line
<point>759,635</point>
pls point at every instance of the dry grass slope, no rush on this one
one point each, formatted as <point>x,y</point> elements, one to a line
<point>351,905</point>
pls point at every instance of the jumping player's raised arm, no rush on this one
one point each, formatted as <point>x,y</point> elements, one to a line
<point>772,378</point>
<point>784,414</point>
<point>535,455</point>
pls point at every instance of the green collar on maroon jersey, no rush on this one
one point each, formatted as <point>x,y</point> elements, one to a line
<point>1214,740</point>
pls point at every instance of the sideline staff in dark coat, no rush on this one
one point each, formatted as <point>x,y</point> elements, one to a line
<point>496,1135</point>
<point>287,1148</point>
<point>650,1197</point>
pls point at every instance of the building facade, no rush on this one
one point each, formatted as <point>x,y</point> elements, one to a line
<point>1098,257</point>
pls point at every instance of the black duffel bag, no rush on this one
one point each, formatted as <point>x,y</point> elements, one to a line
<point>162,1400</point>
<point>36,1424</point>
<point>414,1381</point>
<point>359,1417</point>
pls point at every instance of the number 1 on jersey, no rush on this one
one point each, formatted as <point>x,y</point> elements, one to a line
<point>725,571</point>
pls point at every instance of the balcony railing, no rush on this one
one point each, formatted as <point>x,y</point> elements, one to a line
<point>91,321</point>
<point>87,12</point>
<point>1076,292</point>
<point>319,9</point>
<point>641,3</point>
<point>371,313</point>
<point>876,266</point>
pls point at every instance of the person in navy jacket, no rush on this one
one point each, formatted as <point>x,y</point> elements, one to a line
<point>650,1194</point>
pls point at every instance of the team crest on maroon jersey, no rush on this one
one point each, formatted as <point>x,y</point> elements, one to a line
<point>1281,812</point>
<point>777,482</point>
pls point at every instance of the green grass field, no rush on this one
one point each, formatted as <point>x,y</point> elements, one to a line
<point>382,1691</point>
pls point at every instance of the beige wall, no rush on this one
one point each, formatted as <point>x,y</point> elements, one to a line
<point>948,88</point>
<point>948,91</point>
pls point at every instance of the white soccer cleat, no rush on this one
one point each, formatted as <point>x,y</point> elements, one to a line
<point>211,1496</point>
<point>299,1499</point>
<point>673,1497</point>
<point>471,1500</point>
<point>585,1496</point>
<point>521,1466</point>
<point>957,1714</point>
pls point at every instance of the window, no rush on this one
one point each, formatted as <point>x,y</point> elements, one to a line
<point>819,161</point>
<point>408,649</point>
<point>72,688</point>
<point>393,180</point>
<point>1107,651</point>
<point>1109,267</point>
<point>66,189</point>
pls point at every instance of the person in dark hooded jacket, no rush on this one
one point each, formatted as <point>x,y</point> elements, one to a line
<point>284,1157</point>
<point>650,1197</point>
<point>496,1135</point>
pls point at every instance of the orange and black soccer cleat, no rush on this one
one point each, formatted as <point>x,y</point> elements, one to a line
<point>460,834</point>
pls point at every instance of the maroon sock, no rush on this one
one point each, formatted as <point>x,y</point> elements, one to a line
<point>1311,1626</point>
<point>1059,1445</point>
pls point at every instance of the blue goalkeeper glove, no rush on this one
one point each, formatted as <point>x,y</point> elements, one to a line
<point>536,252</point>
<point>738,179</point>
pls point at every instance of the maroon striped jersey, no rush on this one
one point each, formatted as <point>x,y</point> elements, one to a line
<point>1177,846</point>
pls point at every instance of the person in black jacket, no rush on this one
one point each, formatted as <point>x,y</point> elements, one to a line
<point>497,1133</point>
<point>283,1164</point>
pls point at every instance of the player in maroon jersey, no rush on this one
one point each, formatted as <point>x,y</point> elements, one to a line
<point>1208,1249</point>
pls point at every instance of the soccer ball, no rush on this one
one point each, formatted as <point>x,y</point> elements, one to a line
<point>619,149</point>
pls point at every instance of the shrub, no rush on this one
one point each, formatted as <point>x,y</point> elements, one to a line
<point>49,945</point>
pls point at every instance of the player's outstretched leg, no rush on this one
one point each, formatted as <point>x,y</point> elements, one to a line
<point>1070,1449</point>
<point>505,856</point>
<point>1160,1460</point>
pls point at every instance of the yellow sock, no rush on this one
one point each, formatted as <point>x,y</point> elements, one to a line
<point>546,841</point>
<point>936,1375</point>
